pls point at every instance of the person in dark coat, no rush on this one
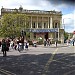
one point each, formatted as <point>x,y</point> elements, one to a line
<point>0,43</point>
<point>22,42</point>
<point>4,47</point>
<point>26,46</point>
<point>7,44</point>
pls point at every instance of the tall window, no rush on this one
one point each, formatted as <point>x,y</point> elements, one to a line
<point>56,35</point>
<point>33,25</point>
<point>56,25</point>
<point>27,24</point>
<point>39,25</point>
<point>44,25</point>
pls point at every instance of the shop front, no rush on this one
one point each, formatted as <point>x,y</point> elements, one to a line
<point>43,33</point>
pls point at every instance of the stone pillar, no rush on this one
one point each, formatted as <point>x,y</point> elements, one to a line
<point>31,21</point>
<point>61,23</point>
<point>51,26</point>
<point>48,22</point>
<point>37,21</point>
<point>42,23</point>
<point>57,25</point>
<point>58,34</point>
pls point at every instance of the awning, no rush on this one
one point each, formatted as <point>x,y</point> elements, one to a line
<point>43,30</point>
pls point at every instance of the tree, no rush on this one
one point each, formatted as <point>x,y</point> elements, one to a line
<point>65,36</point>
<point>13,24</point>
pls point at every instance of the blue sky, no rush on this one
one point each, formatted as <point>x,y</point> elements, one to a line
<point>66,6</point>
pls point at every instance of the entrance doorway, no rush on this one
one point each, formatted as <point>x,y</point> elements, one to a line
<point>46,36</point>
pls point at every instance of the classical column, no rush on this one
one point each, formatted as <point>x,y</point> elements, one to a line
<point>58,33</point>
<point>61,23</point>
<point>31,21</point>
<point>42,23</point>
<point>51,26</point>
<point>48,22</point>
<point>37,21</point>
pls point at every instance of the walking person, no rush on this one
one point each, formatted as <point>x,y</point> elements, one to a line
<point>22,42</point>
<point>12,44</point>
<point>73,42</point>
<point>0,43</point>
<point>18,41</point>
<point>4,48</point>
<point>15,44</point>
<point>56,43</point>
<point>44,42</point>
<point>7,44</point>
<point>26,46</point>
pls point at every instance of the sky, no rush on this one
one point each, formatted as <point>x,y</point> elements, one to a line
<point>66,6</point>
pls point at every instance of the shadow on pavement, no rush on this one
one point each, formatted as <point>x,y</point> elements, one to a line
<point>27,64</point>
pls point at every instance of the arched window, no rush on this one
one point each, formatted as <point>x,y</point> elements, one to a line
<point>56,24</point>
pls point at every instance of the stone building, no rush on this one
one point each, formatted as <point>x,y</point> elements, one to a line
<point>44,24</point>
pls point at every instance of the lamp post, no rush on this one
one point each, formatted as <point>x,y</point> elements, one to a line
<point>64,26</point>
<point>64,23</point>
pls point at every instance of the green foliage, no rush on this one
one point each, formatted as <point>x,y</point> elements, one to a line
<point>66,35</point>
<point>12,24</point>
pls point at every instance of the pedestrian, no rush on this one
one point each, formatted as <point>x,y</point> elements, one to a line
<point>15,44</point>
<point>47,42</point>
<point>7,44</point>
<point>44,42</point>
<point>73,42</point>
<point>4,48</point>
<point>18,41</point>
<point>26,46</point>
<point>0,43</point>
<point>56,43</point>
<point>22,42</point>
<point>12,44</point>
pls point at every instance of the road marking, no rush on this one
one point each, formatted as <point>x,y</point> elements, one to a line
<point>49,61</point>
<point>6,72</point>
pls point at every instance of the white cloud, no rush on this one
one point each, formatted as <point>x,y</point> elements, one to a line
<point>27,4</point>
<point>69,21</point>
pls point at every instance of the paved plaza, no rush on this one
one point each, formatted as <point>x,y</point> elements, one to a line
<point>39,60</point>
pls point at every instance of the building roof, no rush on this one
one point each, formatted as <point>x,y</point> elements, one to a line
<point>30,11</point>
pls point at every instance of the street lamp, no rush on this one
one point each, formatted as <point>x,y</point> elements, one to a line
<point>64,26</point>
<point>64,23</point>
